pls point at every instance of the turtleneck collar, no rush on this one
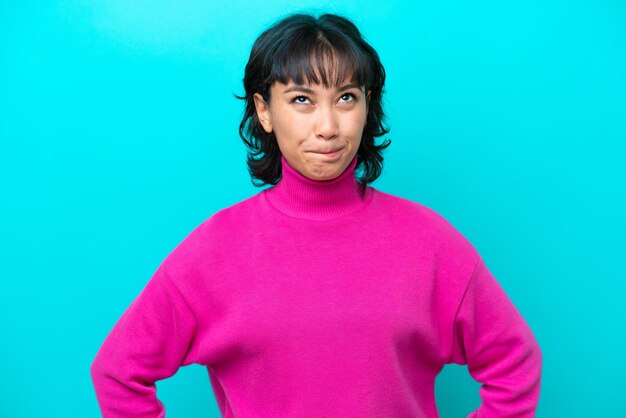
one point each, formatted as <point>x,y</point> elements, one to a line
<point>301,197</point>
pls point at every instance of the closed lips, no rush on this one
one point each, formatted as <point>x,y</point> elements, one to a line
<point>328,152</point>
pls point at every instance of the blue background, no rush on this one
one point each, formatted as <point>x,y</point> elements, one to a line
<point>118,135</point>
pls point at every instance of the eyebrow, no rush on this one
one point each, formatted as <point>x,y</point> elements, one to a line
<point>304,89</point>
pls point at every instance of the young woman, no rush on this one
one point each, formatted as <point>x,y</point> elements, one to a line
<point>320,296</point>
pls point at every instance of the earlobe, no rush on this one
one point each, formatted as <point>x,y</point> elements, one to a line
<point>263,112</point>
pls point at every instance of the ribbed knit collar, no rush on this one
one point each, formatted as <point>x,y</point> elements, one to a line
<point>300,197</point>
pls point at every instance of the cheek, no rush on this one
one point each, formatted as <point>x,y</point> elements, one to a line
<point>288,131</point>
<point>357,123</point>
<point>288,123</point>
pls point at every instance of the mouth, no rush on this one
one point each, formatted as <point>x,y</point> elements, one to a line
<point>331,153</point>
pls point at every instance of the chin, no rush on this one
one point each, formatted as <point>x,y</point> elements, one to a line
<point>325,171</point>
<point>328,175</point>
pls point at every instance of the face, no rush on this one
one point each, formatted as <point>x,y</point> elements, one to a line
<point>318,129</point>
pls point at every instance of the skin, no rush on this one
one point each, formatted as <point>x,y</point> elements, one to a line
<point>318,129</point>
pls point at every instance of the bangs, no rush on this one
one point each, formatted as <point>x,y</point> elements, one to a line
<point>316,57</point>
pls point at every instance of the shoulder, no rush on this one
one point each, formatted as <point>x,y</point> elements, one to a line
<point>417,214</point>
<point>427,225</point>
<point>213,237</point>
<point>403,206</point>
<point>231,217</point>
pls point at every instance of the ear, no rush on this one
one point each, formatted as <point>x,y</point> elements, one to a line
<point>367,106</point>
<point>263,112</point>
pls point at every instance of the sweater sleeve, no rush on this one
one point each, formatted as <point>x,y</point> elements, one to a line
<point>152,339</point>
<point>501,353</point>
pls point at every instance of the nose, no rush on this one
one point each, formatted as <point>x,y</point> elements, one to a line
<point>326,127</point>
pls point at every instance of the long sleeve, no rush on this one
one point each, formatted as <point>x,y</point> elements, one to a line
<point>497,345</point>
<point>152,339</point>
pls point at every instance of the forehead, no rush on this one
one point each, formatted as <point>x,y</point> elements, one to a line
<point>307,86</point>
<point>327,66</point>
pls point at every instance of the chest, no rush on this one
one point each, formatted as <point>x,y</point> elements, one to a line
<point>327,291</point>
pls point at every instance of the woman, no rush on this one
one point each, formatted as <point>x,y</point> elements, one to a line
<point>320,296</point>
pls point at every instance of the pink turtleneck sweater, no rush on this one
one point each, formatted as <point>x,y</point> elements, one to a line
<point>310,300</point>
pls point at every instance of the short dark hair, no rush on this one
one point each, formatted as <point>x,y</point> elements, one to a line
<point>302,48</point>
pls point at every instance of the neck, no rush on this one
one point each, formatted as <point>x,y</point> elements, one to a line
<point>301,197</point>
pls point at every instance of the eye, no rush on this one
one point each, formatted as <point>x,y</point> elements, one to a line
<point>300,100</point>
<point>347,98</point>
